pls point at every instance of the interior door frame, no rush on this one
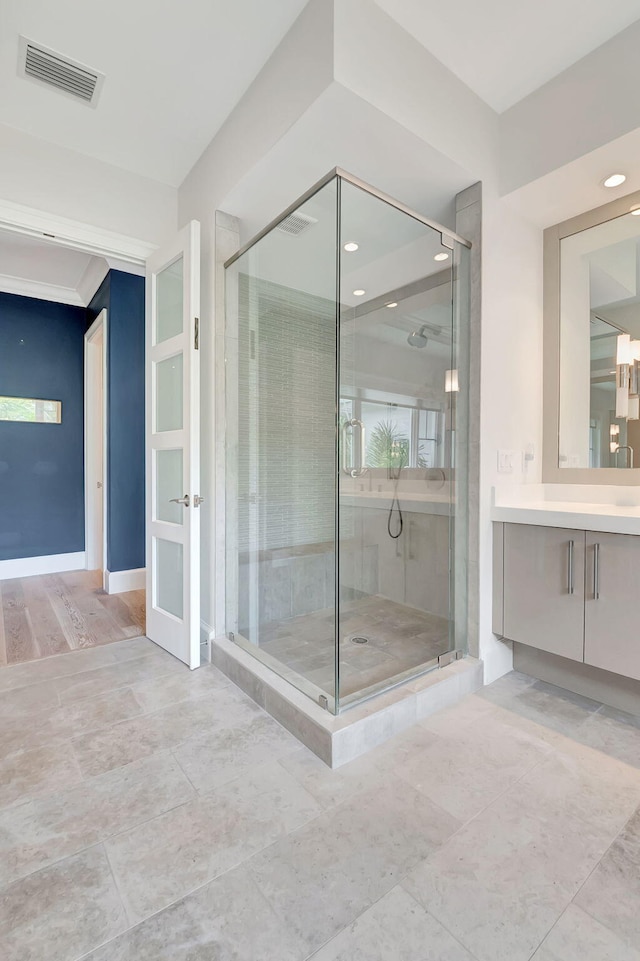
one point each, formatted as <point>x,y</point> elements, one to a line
<point>100,325</point>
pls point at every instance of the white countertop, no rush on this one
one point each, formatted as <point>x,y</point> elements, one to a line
<point>578,507</point>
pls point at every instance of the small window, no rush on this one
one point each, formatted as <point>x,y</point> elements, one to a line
<point>31,410</point>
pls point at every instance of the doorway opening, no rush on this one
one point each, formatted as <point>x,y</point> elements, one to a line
<point>72,309</point>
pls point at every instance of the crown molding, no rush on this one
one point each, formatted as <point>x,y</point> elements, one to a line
<point>33,288</point>
<point>73,233</point>
<point>96,270</point>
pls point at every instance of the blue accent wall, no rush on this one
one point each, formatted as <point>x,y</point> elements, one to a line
<point>42,465</point>
<point>123,295</point>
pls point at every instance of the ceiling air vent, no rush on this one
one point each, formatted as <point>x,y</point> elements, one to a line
<point>53,69</point>
<point>295,224</point>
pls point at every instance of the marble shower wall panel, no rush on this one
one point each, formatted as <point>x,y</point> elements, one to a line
<point>303,583</point>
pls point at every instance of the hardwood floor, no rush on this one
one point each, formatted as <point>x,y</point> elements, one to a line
<point>53,613</point>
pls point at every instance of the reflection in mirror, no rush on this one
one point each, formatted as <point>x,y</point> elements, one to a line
<point>599,327</point>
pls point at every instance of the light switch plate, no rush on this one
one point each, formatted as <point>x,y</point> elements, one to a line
<point>506,461</point>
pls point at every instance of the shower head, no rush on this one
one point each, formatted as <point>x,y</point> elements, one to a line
<point>417,338</point>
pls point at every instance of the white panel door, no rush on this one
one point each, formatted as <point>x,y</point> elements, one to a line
<point>173,446</point>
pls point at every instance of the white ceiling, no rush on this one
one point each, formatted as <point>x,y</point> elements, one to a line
<point>48,270</point>
<point>38,261</point>
<point>174,71</point>
<point>503,50</point>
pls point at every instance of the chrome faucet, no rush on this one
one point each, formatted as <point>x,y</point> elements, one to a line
<point>629,457</point>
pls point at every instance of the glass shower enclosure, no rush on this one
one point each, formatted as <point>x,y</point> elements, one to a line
<point>346,443</point>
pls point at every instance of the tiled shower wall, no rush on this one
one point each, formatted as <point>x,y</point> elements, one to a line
<point>286,417</point>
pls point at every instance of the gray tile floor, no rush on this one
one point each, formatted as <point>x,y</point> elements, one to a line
<point>399,639</point>
<point>152,814</point>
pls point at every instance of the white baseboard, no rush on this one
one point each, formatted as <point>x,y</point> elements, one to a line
<point>47,564</point>
<point>117,582</point>
<point>207,633</point>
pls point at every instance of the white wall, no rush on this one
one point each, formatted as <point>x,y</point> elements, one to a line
<point>41,175</point>
<point>511,404</point>
<point>290,81</point>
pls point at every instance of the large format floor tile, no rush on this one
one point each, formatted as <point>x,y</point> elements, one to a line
<point>505,878</point>
<point>226,920</point>
<point>222,753</point>
<point>131,740</point>
<point>613,733</point>
<point>612,893</point>
<point>396,927</point>
<point>157,814</point>
<point>578,937</point>
<point>464,771</point>
<point>322,876</point>
<point>75,687</point>
<point>61,912</point>
<point>166,858</point>
<point>38,832</point>
<point>551,706</point>
<point>47,768</point>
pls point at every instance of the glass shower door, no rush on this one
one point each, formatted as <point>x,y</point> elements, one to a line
<point>397,378</point>
<point>280,452</point>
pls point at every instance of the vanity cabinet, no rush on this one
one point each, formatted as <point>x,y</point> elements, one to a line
<point>544,588</point>
<point>571,593</point>
<point>612,608</point>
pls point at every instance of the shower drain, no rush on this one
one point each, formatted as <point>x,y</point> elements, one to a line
<point>359,639</point>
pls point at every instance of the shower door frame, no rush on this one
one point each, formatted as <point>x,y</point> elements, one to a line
<point>357,182</point>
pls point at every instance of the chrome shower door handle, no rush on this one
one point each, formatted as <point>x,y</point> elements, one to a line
<point>345,464</point>
<point>363,447</point>
<point>351,470</point>
<point>180,500</point>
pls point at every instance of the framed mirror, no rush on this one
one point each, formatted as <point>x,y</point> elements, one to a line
<point>592,347</point>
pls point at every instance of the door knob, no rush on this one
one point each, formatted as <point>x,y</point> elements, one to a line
<point>180,500</point>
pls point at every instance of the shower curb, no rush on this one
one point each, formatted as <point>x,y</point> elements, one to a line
<point>342,738</point>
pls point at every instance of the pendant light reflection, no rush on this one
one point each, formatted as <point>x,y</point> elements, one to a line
<point>451,381</point>
<point>627,377</point>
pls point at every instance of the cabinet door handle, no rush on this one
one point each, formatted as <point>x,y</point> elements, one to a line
<point>570,569</point>
<point>596,571</point>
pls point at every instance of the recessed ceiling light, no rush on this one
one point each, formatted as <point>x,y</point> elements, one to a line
<point>359,293</point>
<point>393,303</point>
<point>615,180</point>
<point>351,246</point>
<point>635,211</point>
<point>441,256</point>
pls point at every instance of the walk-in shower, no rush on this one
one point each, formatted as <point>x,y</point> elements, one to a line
<point>346,446</point>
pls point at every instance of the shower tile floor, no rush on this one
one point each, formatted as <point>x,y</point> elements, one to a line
<point>399,639</point>
<point>151,813</point>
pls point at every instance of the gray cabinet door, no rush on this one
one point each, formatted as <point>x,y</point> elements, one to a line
<point>612,607</point>
<point>544,588</point>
